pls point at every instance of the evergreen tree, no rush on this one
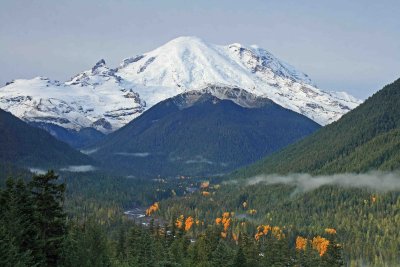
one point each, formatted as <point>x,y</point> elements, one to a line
<point>334,255</point>
<point>10,255</point>
<point>240,259</point>
<point>146,252</point>
<point>28,239</point>
<point>50,219</point>
<point>222,255</point>
<point>86,246</point>
<point>133,245</point>
<point>121,245</point>
<point>17,213</point>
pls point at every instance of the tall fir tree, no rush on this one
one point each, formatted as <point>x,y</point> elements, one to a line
<point>50,219</point>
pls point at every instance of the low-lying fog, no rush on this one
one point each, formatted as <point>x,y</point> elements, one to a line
<point>79,168</point>
<point>71,168</point>
<point>381,181</point>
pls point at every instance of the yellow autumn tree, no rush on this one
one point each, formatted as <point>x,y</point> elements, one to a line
<point>179,222</point>
<point>225,221</point>
<point>262,230</point>
<point>235,236</point>
<point>266,229</point>
<point>320,244</point>
<point>277,232</point>
<point>153,208</point>
<point>330,231</point>
<point>188,223</point>
<point>252,211</point>
<point>301,243</point>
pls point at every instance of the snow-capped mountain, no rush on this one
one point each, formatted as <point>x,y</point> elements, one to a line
<point>96,98</point>
<point>106,98</point>
<point>188,63</point>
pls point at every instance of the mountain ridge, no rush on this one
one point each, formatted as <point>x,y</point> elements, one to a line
<point>107,98</point>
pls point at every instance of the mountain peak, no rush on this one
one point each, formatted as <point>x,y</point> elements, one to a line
<point>182,44</point>
<point>186,39</point>
<point>235,45</point>
<point>99,64</point>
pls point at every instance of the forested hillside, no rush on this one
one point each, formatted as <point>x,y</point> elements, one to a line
<point>209,136</point>
<point>365,220</point>
<point>366,138</point>
<point>28,146</point>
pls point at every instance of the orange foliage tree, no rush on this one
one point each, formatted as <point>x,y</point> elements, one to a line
<point>320,244</point>
<point>225,221</point>
<point>179,222</point>
<point>330,231</point>
<point>301,243</point>
<point>153,208</point>
<point>263,230</point>
<point>188,223</point>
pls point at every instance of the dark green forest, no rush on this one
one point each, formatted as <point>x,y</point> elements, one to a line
<point>36,230</point>
<point>228,224</point>
<point>209,137</point>
<point>367,138</point>
<point>24,145</point>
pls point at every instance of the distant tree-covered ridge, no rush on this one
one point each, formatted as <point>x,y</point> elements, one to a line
<point>28,146</point>
<point>366,138</point>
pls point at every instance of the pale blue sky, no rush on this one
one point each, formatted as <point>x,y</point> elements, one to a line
<point>351,46</point>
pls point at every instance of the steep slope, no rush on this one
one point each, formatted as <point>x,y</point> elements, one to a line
<point>210,131</point>
<point>367,138</point>
<point>106,99</point>
<point>28,146</point>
